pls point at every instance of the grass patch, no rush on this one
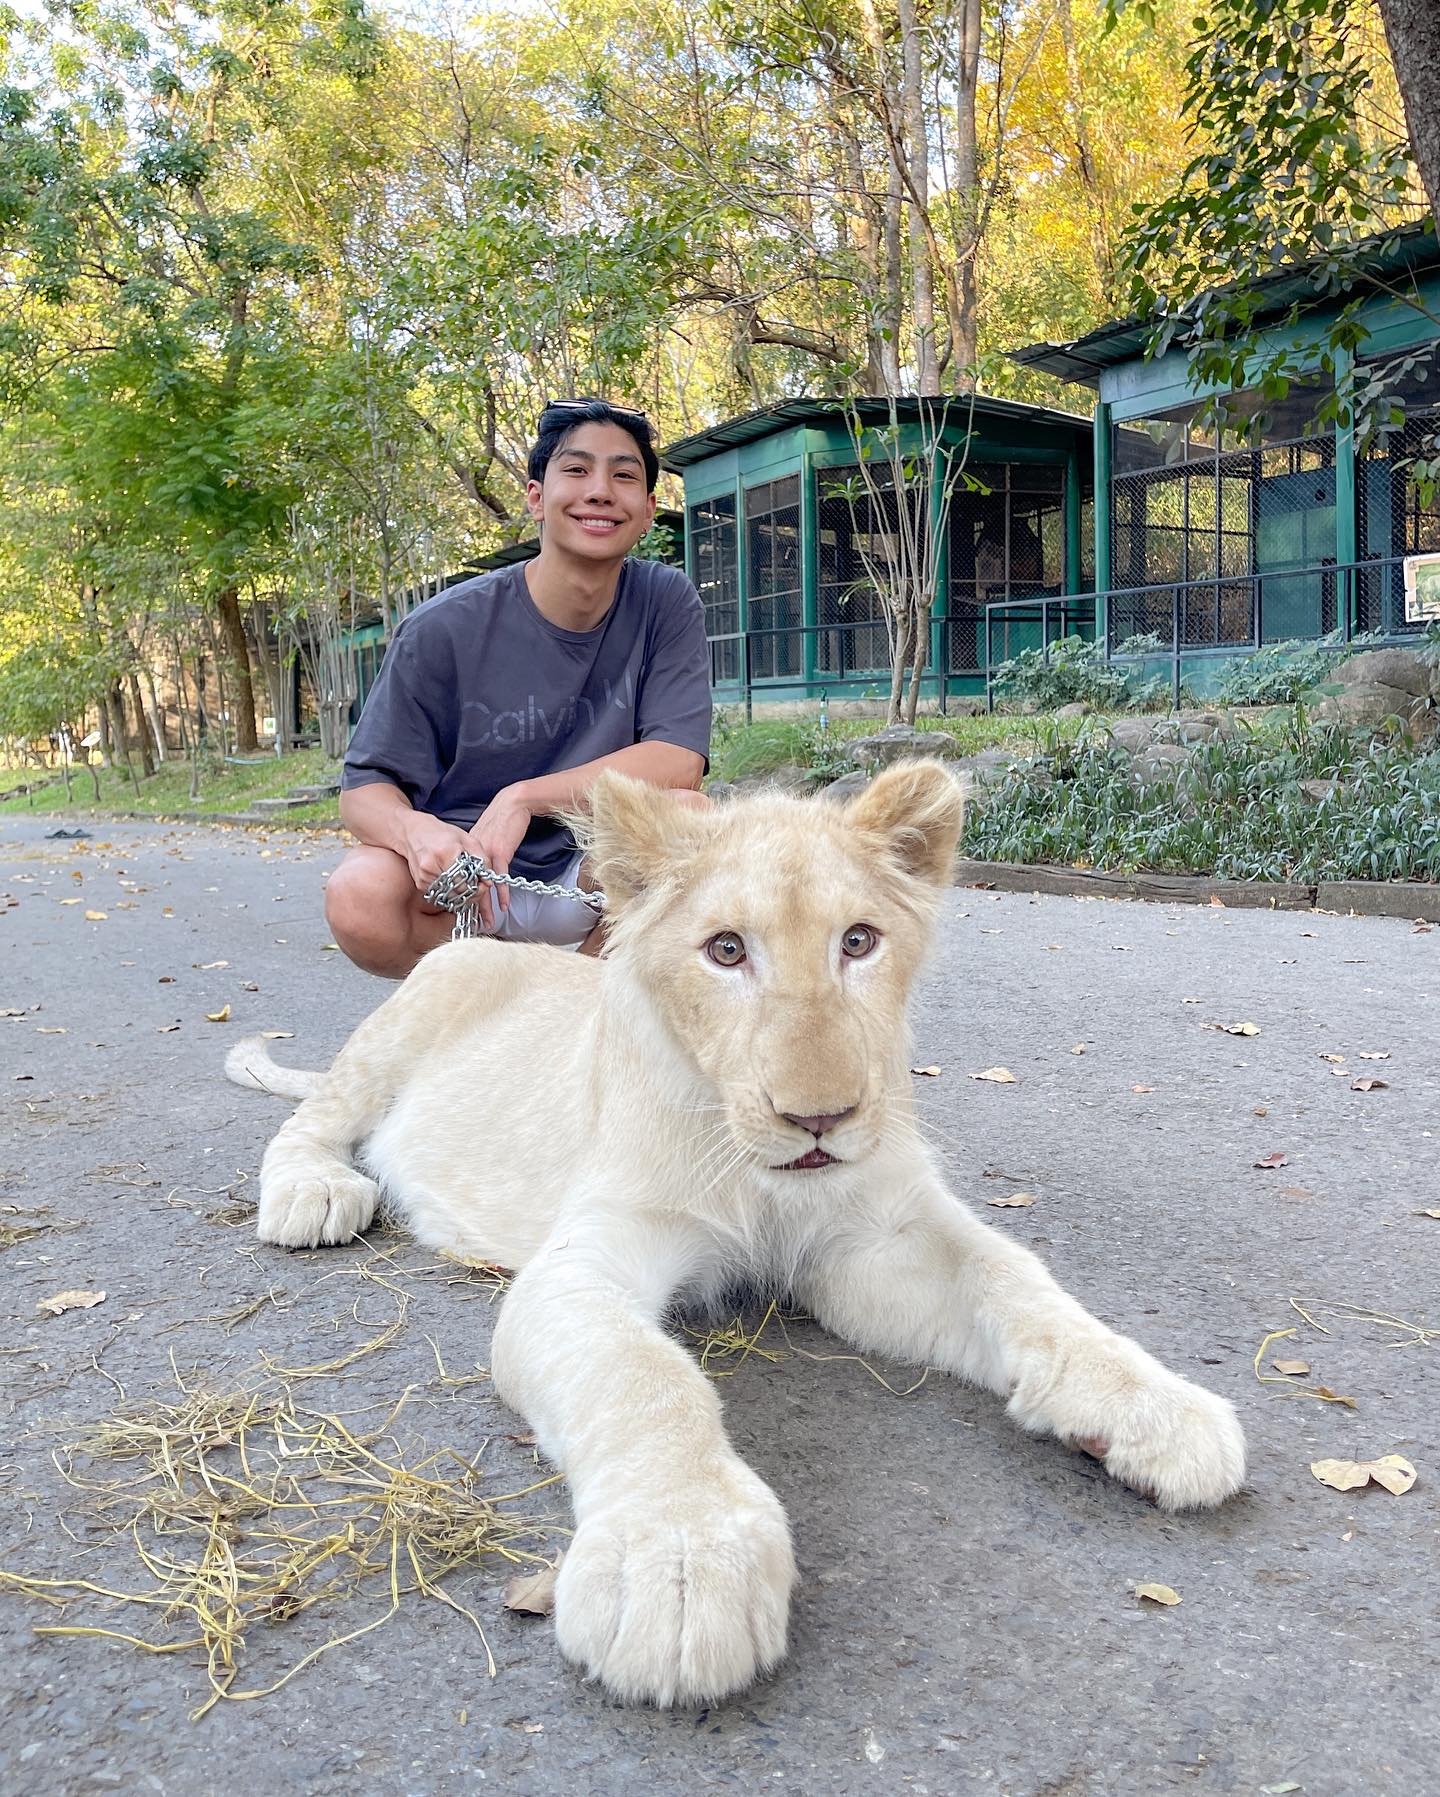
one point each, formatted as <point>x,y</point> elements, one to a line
<point>741,751</point>
<point>224,786</point>
<point>1235,810</point>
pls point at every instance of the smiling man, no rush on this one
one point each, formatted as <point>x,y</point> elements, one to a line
<point>506,696</point>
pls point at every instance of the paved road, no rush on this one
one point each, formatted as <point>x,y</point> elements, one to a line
<point>966,1621</point>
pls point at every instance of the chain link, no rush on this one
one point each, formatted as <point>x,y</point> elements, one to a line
<point>456,888</point>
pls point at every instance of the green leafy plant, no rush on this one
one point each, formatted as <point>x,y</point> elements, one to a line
<point>1070,670</point>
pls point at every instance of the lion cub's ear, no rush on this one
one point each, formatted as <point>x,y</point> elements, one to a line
<point>634,833</point>
<point>914,810</point>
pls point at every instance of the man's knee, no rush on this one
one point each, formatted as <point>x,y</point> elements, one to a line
<point>369,903</point>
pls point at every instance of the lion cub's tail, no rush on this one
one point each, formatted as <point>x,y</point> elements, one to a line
<point>248,1064</point>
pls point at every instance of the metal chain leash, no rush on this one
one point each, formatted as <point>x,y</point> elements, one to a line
<point>455,890</point>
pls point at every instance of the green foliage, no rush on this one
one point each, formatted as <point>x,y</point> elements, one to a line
<point>1236,811</point>
<point>1068,671</point>
<point>226,787</point>
<point>1280,673</point>
<point>1302,160</point>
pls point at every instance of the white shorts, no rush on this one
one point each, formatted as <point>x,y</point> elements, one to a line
<point>532,917</point>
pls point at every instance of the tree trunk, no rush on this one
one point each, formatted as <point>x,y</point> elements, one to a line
<point>967,187</point>
<point>885,104</point>
<point>237,653</point>
<point>1412,29</point>
<point>156,714</point>
<point>916,151</point>
<point>270,668</point>
<point>142,733</point>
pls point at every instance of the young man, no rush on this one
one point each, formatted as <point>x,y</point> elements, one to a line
<point>507,695</point>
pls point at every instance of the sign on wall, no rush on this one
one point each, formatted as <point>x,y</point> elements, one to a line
<point>1422,588</point>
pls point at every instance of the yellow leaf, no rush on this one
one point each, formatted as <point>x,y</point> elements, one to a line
<point>1016,1201</point>
<point>62,1301</point>
<point>72,901</point>
<point>96,916</point>
<point>1291,1366</point>
<point>928,1072</point>
<point>1428,1213</point>
<point>533,1593</point>
<point>1395,1474</point>
<point>220,1016</point>
<point>1336,1058</point>
<point>51,1030</point>
<point>205,966</point>
<point>1000,1076</point>
<point>1158,1594</point>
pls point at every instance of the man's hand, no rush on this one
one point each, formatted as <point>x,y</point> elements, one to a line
<point>430,845</point>
<point>497,834</point>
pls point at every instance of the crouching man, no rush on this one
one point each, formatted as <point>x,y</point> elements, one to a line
<point>505,697</point>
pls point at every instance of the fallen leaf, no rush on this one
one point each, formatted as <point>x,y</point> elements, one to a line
<point>1142,1088</point>
<point>205,966</point>
<point>1233,1029</point>
<point>1259,1111</point>
<point>166,979</point>
<point>1296,1192</point>
<point>1016,1201</point>
<point>1079,1048</point>
<point>63,1301</point>
<point>1217,902</point>
<point>1272,1160</point>
<point>249,986</point>
<point>1369,1085</point>
<point>1389,1470</point>
<point>1000,1076</point>
<point>533,1593</point>
<point>13,1013</point>
<point>1428,1213</point>
<point>1290,1367</point>
<point>72,901</point>
<point>1374,1054</point>
<point>927,1072</point>
<point>327,948</point>
<point>96,916</point>
<point>1336,1058</point>
<point>50,1030</point>
<point>285,1035</point>
<point>1158,1594</point>
<point>1189,1001</point>
<point>1332,1397</point>
<point>220,1016</point>
<point>164,1029</point>
<point>1281,1790</point>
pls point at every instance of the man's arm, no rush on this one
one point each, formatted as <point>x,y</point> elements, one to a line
<point>380,815</point>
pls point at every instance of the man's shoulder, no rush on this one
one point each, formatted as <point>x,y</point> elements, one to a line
<point>459,601</point>
<point>657,584</point>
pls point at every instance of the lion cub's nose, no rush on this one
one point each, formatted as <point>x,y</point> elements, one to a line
<point>818,1125</point>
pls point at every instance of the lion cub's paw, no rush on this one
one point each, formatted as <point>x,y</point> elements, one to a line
<point>1185,1448</point>
<point>1172,1440</point>
<point>310,1210</point>
<point>678,1601</point>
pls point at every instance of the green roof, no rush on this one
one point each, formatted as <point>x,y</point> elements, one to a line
<point>1400,252</point>
<point>752,426</point>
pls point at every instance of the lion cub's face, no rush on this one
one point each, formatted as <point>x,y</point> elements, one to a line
<point>777,939</point>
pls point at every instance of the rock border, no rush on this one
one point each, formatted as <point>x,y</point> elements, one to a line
<point>1361,898</point>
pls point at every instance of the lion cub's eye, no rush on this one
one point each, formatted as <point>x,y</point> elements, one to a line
<point>727,949</point>
<point>858,940</point>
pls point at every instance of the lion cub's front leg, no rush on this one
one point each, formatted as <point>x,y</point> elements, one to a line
<point>676,1587</point>
<point>918,1275</point>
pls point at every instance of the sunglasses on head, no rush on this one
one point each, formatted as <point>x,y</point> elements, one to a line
<point>579,405</point>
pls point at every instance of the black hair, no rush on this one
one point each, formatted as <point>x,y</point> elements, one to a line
<point>558,424</point>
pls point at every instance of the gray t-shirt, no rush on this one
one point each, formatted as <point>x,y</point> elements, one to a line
<point>479,690</point>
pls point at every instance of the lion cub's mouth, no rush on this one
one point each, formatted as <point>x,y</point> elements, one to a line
<point>817,1157</point>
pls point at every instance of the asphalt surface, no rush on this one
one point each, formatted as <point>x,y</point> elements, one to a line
<point>967,1620</point>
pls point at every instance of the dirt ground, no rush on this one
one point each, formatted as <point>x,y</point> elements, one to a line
<point>967,1619</point>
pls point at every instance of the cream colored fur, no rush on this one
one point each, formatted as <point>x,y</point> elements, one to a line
<point>616,1130</point>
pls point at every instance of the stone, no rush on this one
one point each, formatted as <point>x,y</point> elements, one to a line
<point>985,768</point>
<point>1317,791</point>
<point>900,742</point>
<point>1133,734</point>
<point>1403,669</point>
<point>841,790</point>
<point>1369,706</point>
<point>1077,708</point>
<point>1160,764</point>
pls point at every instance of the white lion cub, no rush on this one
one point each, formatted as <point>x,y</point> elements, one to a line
<point>724,1095</point>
